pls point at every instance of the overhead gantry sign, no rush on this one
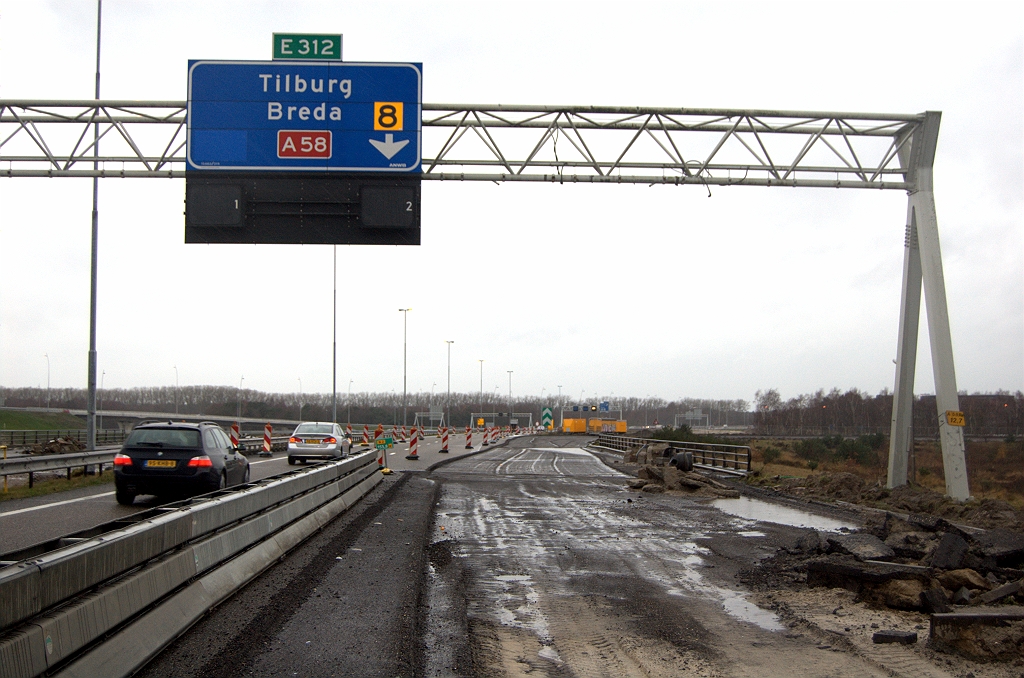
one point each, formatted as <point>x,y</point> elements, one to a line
<point>592,144</point>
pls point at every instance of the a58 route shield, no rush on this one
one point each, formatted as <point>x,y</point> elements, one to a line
<point>287,115</point>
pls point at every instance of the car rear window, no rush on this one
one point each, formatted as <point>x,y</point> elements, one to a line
<point>315,428</point>
<point>164,437</point>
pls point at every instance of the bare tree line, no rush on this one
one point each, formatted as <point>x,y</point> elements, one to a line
<point>370,408</point>
<point>857,413</point>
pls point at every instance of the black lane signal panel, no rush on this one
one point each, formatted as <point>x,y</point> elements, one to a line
<point>270,208</point>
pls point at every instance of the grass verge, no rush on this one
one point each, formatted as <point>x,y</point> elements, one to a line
<point>44,487</point>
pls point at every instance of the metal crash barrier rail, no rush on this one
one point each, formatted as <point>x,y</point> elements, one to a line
<point>65,462</point>
<point>105,601</point>
<point>731,459</point>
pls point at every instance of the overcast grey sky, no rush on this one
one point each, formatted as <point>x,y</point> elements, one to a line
<point>624,290</point>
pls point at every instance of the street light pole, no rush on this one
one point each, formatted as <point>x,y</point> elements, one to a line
<point>240,401</point>
<point>90,405</point>
<point>561,414</point>
<point>481,361</point>
<point>349,401</point>
<point>47,356</point>
<point>405,363</point>
<point>509,398</point>
<point>334,344</point>
<point>300,397</point>
<point>175,389</point>
<point>448,402</point>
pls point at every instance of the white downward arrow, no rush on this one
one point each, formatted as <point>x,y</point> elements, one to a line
<point>389,147</point>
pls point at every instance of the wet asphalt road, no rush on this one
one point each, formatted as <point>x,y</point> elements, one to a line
<point>554,568</point>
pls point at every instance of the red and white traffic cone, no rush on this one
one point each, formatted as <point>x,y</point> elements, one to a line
<point>234,434</point>
<point>366,434</point>
<point>469,438</point>
<point>444,441</point>
<point>267,430</point>
<point>413,444</point>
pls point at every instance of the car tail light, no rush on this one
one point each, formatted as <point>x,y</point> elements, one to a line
<point>122,460</point>
<point>202,461</point>
<point>294,441</point>
<point>331,440</point>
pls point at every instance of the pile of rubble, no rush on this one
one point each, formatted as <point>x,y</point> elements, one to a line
<point>657,475</point>
<point>59,446</point>
<point>971,580</point>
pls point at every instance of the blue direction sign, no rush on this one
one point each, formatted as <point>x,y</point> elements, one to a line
<point>297,115</point>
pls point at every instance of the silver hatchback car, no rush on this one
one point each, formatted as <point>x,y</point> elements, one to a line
<point>317,440</point>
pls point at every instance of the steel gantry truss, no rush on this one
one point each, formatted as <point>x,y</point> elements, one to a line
<point>593,144</point>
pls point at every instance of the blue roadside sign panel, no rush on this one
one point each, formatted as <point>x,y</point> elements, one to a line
<point>300,116</point>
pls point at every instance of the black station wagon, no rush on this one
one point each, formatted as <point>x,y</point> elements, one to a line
<point>171,459</point>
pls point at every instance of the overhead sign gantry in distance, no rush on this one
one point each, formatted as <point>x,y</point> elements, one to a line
<point>303,152</point>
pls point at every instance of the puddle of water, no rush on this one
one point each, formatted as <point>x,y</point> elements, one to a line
<point>755,509</point>
<point>741,608</point>
<point>550,653</point>
<point>751,533</point>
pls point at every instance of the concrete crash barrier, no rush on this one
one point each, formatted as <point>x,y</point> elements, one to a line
<point>986,634</point>
<point>127,651</point>
<point>46,641</point>
<point>32,586</point>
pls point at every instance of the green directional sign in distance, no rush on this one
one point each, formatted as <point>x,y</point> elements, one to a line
<point>547,417</point>
<point>324,47</point>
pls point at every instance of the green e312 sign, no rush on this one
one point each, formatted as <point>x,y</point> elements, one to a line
<point>307,46</point>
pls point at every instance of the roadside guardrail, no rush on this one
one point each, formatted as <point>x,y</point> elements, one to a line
<point>730,459</point>
<point>66,462</point>
<point>18,437</point>
<point>107,602</point>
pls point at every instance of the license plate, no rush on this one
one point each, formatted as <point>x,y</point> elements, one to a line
<point>312,441</point>
<point>161,463</point>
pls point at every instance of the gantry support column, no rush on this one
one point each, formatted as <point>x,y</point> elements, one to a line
<point>922,262</point>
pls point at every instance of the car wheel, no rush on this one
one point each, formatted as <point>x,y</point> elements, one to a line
<point>291,461</point>
<point>223,481</point>
<point>245,480</point>
<point>124,497</point>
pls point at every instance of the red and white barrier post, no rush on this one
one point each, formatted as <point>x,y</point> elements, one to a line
<point>487,437</point>
<point>267,430</point>
<point>405,434</point>
<point>234,434</point>
<point>444,441</point>
<point>469,438</point>
<point>413,444</point>
<point>366,434</point>
<point>348,430</point>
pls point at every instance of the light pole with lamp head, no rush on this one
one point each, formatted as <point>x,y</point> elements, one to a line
<point>240,402</point>
<point>481,361</point>
<point>349,401</point>
<point>300,397</point>
<point>509,398</point>
<point>405,362</point>
<point>175,389</point>
<point>448,401</point>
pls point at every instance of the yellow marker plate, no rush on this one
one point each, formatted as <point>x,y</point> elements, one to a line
<point>954,418</point>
